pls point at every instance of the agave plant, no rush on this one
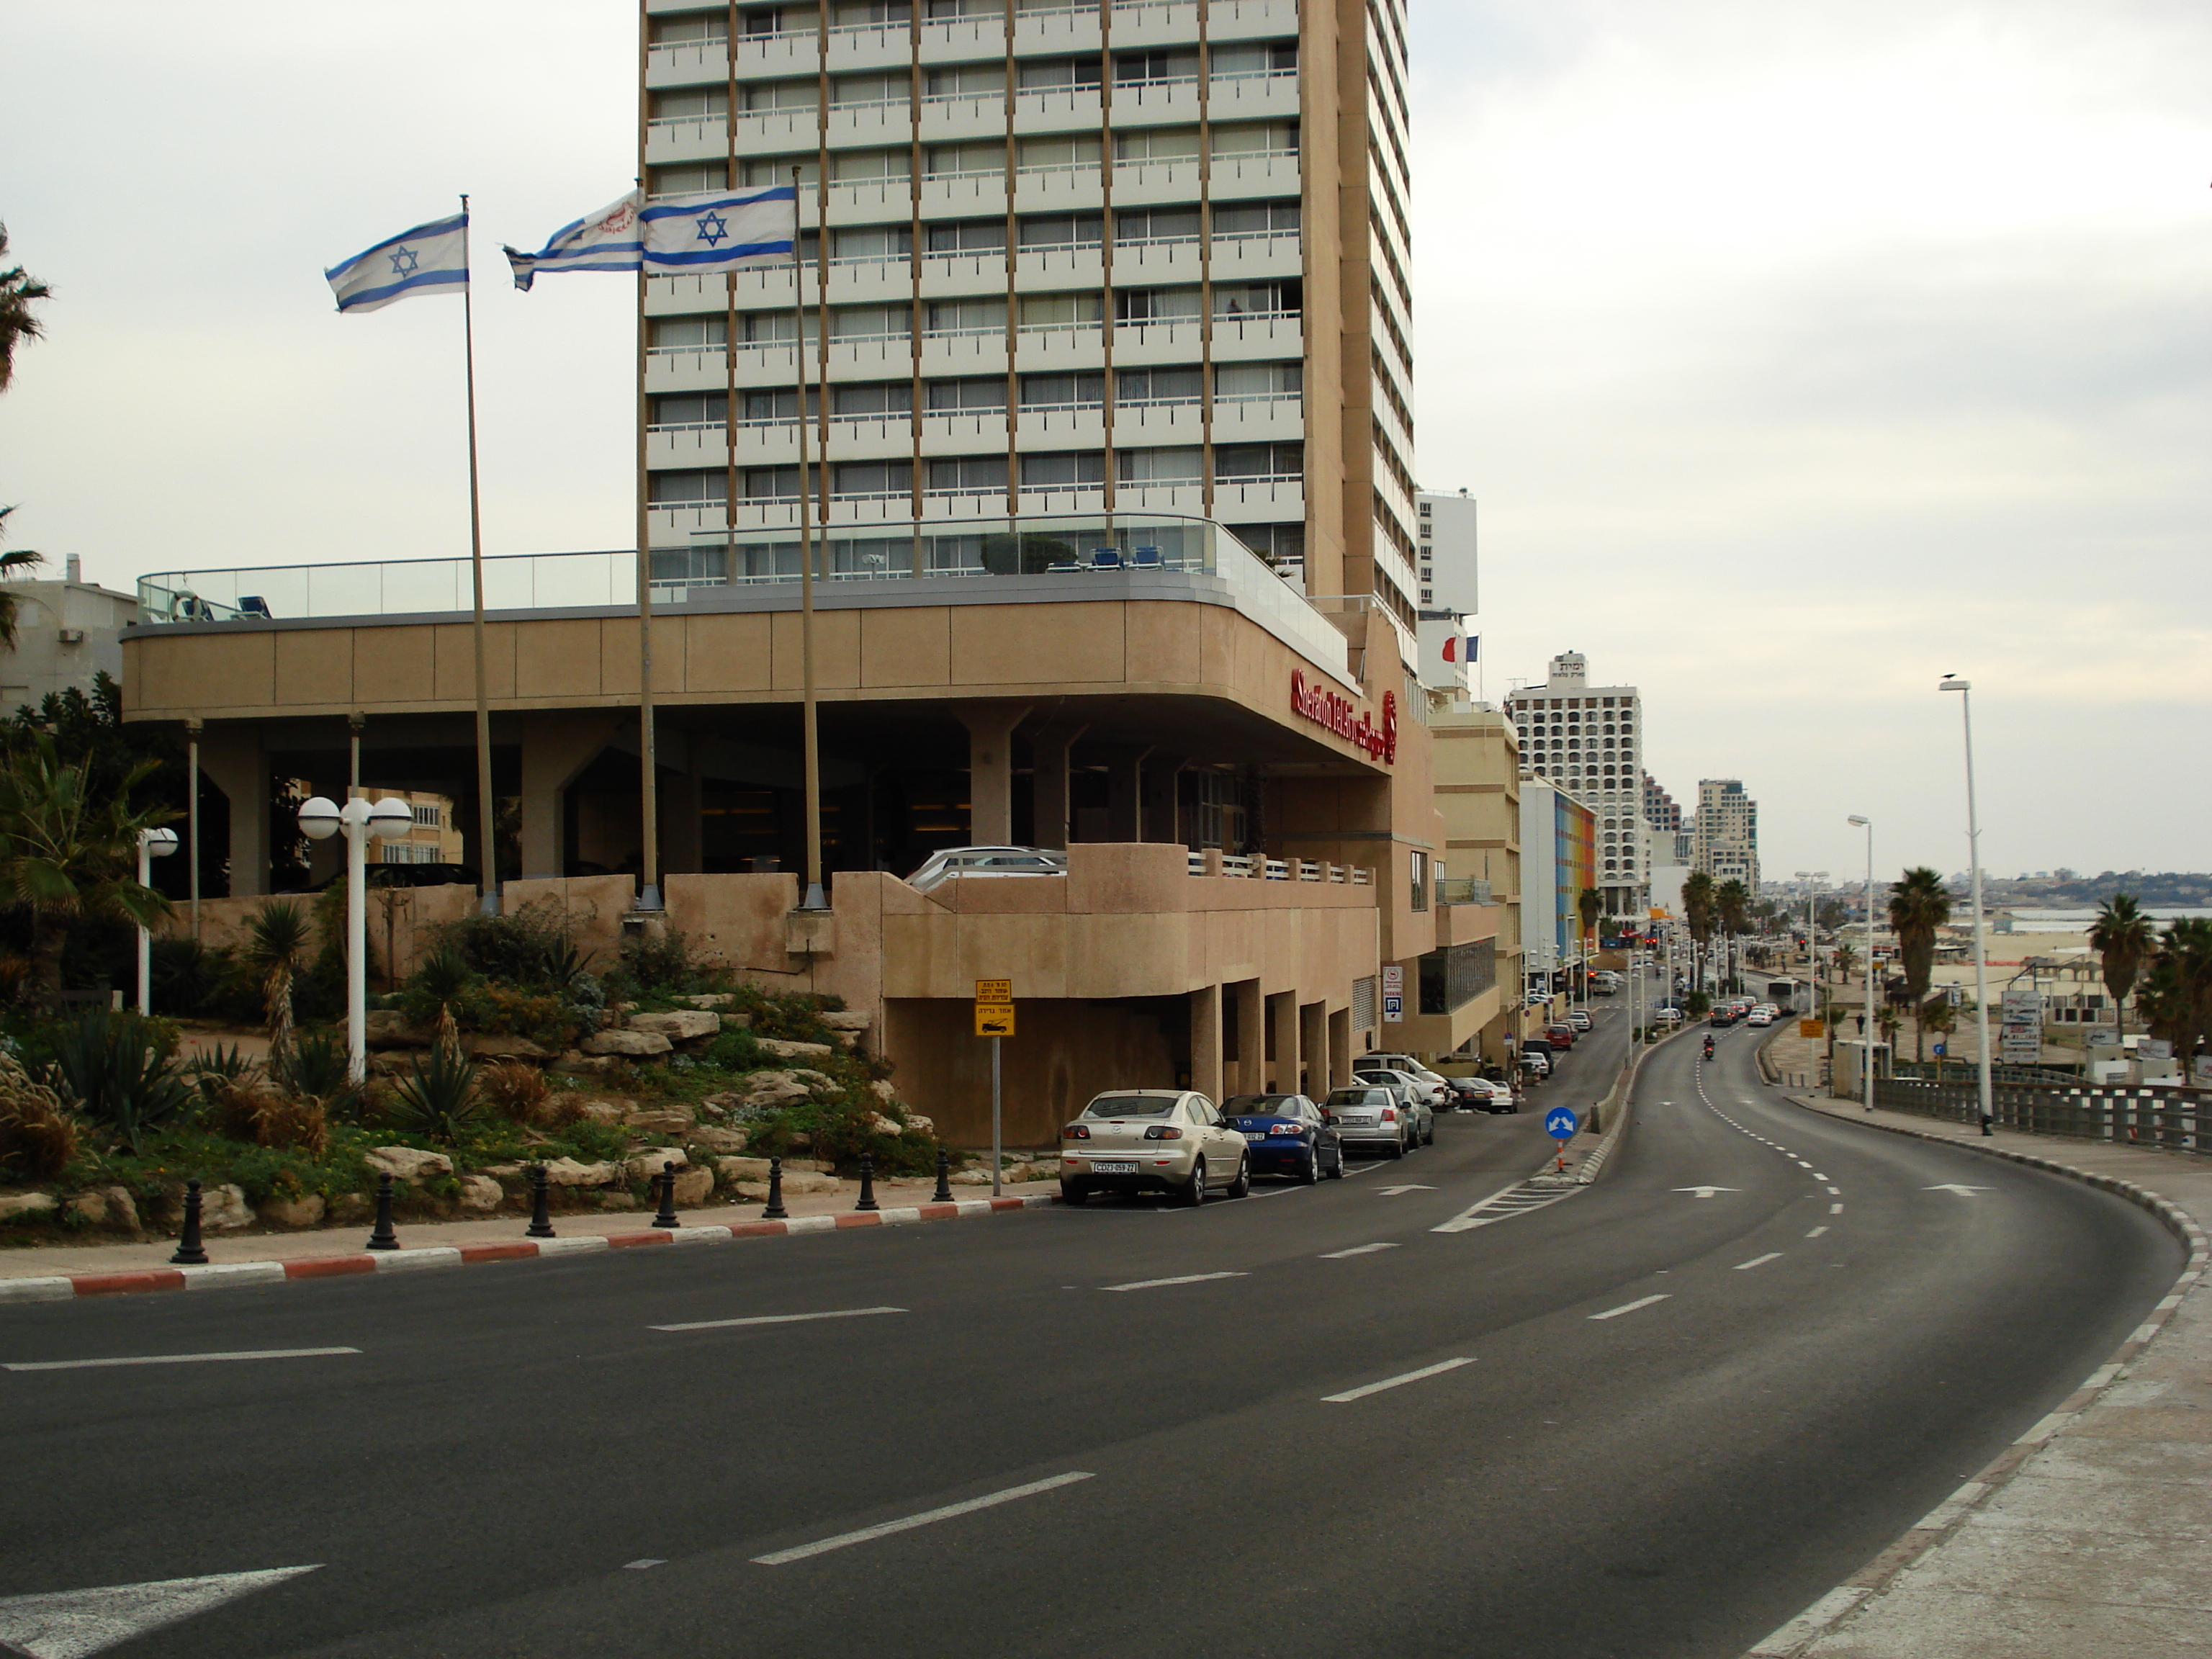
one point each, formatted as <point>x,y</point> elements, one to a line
<point>438,1098</point>
<point>114,1068</point>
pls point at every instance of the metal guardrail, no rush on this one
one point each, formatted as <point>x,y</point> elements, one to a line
<point>2171,1119</point>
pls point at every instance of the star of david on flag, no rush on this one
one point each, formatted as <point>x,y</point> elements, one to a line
<point>432,258</point>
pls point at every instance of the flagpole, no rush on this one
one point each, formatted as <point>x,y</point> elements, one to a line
<point>810,730</point>
<point>488,887</point>
<point>649,894</point>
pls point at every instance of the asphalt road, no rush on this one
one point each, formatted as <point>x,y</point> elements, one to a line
<point>518,1462</point>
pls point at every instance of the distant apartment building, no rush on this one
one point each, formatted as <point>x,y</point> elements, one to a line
<point>1446,553</point>
<point>436,838</point>
<point>1586,739</point>
<point>1660,810</point>
<point>1724,842</point>
<point>1477,788</point>
<point>68,633</point>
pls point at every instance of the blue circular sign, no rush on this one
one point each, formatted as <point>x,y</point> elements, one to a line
<point>1559,1123</point>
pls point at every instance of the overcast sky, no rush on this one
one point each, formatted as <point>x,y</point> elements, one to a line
<point>1799,354</point>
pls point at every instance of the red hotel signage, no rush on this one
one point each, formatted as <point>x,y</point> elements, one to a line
<point>1325,709</point>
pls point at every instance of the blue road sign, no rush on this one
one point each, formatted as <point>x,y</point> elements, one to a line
<point>1559,1123</point>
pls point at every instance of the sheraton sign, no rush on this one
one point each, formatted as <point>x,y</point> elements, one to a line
<point>1325,709</point>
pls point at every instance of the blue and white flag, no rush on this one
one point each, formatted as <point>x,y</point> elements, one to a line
<point>432,258</point>
<point>715,232</point>
<point>605,240</point>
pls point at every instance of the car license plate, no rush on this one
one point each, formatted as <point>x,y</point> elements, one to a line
<point>1103,1166</point>
<point>1255,1134</point>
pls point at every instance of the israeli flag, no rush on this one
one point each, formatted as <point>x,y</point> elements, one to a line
<point>715,232</point>
<point>605,240</point>
<point>432,258</point>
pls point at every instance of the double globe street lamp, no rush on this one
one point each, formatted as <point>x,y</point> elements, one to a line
<point>152,844</point>
<point>360,823</point>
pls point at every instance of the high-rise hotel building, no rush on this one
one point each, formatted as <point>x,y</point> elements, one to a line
<point>1059,258</point>
<point>1586,739</point>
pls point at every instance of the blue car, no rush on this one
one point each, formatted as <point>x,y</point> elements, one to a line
<point>1286,1135</point>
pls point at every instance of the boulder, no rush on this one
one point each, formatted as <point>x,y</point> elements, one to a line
<point>722,1105</point>
<point>694,1187</point>
<point>776,1088</point>
<point>885,1126</point>
<point>493,1045</point>
<point>481,1193</point>
<point>735,1168</point>
<point>351,1209</point>
<point>568,1172</point>
<point>409,1165</point>
<point>508,1171</point>
<point>717,1141</point>
<point>224,1209</point>
<point>634,1045</point>
<point>13,1204</point>
<point>647,1165</point>
<point>883,1091</point>
<point>605,1111</point>
<point>713,999</point>
<point>754,1190</point>
<point>783,1049</point>
<point>806,1180</point>
<point>681,1026</point>
<point>916,1124</point>
<point>108,1207</point>
<point>576,1061</point>
<point>304,1212</point>
<point>845,1022</point>
<point>971,1178</point>
<point>660,1121</point>
<point>387,1028</point>
<point>617,1200</point>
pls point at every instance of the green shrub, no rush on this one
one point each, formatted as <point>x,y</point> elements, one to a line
<point>116,1067</point>
<point>438,1099</point>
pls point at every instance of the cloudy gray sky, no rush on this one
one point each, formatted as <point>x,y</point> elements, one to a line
<point>1799,354</point>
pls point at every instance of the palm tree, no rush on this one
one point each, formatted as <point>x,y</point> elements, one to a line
<point>1936,1015</point>
<point>1918,905</point>
<point>18,292</point>
<point>2123,938</point>
<point>1732,901</point>
<point>1697,914</point>
<point>2187,951</point>
<point>277,945</point>
<point>69,853</point>
<point>1590,903</point>
<point>21,559</point>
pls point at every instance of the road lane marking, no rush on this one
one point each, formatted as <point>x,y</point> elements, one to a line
<point>1835,1209</point>
<point>1357,1249</point>
<point>781,1557</point>
<point>1832,1191</point>
<point>174,1359</point>
<point>1759,1261</point>
<point>1628,1307</point>
<point>1817,1176</point>
<point>58,1623</point>
<point>1816,1232</point>
<point>775,1319</point>
<point>1350,1395</point>
<point>1707,1191</point>
<point>1186,1279</point>
<point>1400,1191</point>
<point>1959,1188</point>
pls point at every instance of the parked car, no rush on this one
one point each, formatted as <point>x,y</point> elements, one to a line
<point>1669,1015</point>
<point>1490,1097</point>
<point>1170,1140</point>
<point>1286,1135</point>
<point>1439,1087</point>
<point>1562,1034</point>
<point>1417,1095</point>
<point>1370,1115</point>
<point>1536,1065</point>
<point>1579,1020</point>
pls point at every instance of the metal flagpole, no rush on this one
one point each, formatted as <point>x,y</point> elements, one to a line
<point>648,892</point>
<point>810,736</point>
<point>488,887</point>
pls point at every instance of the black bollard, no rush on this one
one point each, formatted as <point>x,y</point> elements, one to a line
<point>383,1238</point>
<point>944,1192</point>
<point>190,1252</point>
<point>775,1212</point>
<point>867,1184</point>
<point>541,1204</point>
<point>666,1180</point>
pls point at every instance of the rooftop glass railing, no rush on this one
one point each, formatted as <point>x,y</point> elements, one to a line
<point>720,567</point>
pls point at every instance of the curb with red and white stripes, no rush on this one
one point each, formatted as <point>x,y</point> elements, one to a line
<point>1933,1529</point>
<point>68,1287</point>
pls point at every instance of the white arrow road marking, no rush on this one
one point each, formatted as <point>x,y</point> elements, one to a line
<point>1357,1249</point>
<point>76,1623</point>
<point>172,1360</point>
<point>1395,1192</point>
<point>781,1557</point>
<point>1350,1395</point>
<point>1707,1191</point>
<point>1628,1307</point>
<point>1955,1187</point>
<point>773,1319</point>
<point>1155,1284</point>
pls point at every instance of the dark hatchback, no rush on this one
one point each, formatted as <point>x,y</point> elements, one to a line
<point>1286,1135</point>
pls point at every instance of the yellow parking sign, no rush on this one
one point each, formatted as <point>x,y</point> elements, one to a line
<point>994,1019</point>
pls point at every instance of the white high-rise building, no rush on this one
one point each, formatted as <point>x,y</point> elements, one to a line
<point>1588,739</point>
<point>1724,843</point>
<point>1081,258</point>
<point>1446,547</point>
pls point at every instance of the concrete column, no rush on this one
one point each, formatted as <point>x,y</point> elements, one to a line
<point>1048,784</point>
<point>990,769</point>
<point>1313,1041</point>
<point>1125,804</point>
<point>1158,791</point>
<point>1206,1042</point>
<point>555,750</point>
<point>1339,1049</point>
<point>1251,1038</point>
<point>1282,1014</point>
<point>232,759</point>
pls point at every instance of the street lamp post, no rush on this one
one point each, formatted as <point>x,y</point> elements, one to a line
<point>360,823</point>
<point>152,844</point>
<point>1965,688</point>
<point>1866,1018</point>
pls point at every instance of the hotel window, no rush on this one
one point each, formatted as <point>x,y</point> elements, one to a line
<point>1065,150</point>
<point>852,166</point>
<point>1255,218</point>
<point>1069,470</point>
<point>1281,460</point>
<point>848,90</point>
<point>758,172</point>
<point>1048,74</point>
<point>1156,224</point>
<point>862,242</point>
<point>1133,386</point>
<point>1283,298</point>
<point>1256,138</point>
<point>965,80</point>
<point>978,236</point>
<point>874,477</point>
<point>691,104</point>
<point>955,396</point>
<point>1179,465</point>
<point>1417,885</point>
<point>763,95</point>
<point>1061,391</point>
<point>1060,310</point>
<point>884,397</point>
<point>1134,69</point>
<point>975,474</point>
<point>688,180</point>
<point>689,488</point>
<point>1155,305</point>
<point>1156,144</point>
<point>1049,230</point>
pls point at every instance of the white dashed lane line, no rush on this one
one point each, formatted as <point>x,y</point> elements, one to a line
<point>1816,1232</point>
<point>1759,1261</point>
<point>1350,1394</point>
<point>1628,1307</point>
<point>1157,1284</point>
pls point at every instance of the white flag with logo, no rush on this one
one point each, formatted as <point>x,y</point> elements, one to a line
<point>432,258</point>
<point>713,232</point>
<point>605,240</point>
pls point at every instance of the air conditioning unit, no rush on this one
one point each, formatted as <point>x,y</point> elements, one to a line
<point>72,636</point>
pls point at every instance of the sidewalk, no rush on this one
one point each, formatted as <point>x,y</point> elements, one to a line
<point>40,1272</point>
<point>2088,1538</point>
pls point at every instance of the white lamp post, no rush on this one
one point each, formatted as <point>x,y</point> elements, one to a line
<point>360,823</point>
<point>1964,688</point>
<point>152,844</point>
<point>1866,1020</point>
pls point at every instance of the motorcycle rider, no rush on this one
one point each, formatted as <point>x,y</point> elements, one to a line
<point>1709,1048</point>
